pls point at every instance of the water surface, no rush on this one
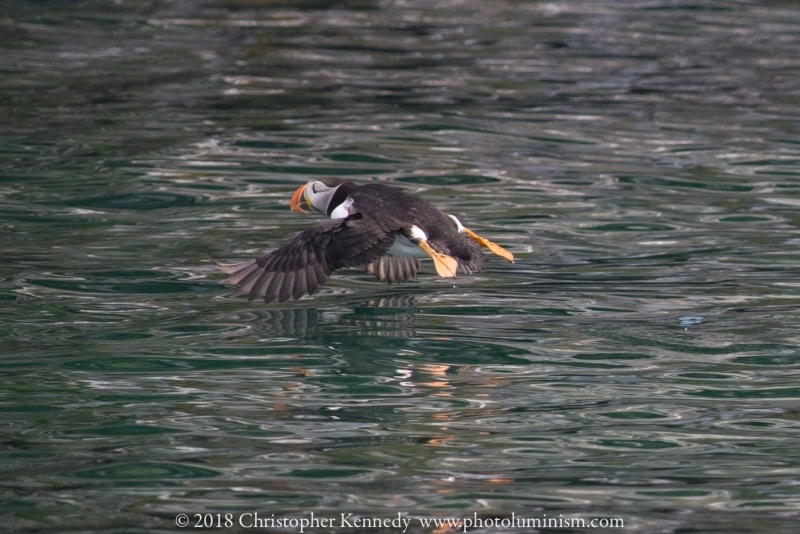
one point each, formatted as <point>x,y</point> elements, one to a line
<point>639,360</point>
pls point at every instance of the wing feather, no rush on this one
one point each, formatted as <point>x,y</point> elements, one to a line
<point>256,287</point>
<point>238,272</point>
<point>299,288</point>
<point>304,263</point>
<point>394,269</point>
<point>285,287</point>
<point>248,281</point>
<point>272,288</point>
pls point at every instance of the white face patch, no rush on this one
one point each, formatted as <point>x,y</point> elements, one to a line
<point>318,195</point>
<point>343,210</point>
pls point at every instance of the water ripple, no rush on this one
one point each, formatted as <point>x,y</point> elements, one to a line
<point>639,360</point>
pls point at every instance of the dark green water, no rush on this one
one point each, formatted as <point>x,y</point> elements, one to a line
<point>640,360</point>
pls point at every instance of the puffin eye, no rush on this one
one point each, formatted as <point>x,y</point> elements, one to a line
<point>318,187</point>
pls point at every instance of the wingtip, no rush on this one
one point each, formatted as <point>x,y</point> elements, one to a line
<point>227,268</point>
<point>237,272</point>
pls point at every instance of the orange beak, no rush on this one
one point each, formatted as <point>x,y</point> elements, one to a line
<point>298,202</point>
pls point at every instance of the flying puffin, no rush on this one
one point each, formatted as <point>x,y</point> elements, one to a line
<point>375,226</point>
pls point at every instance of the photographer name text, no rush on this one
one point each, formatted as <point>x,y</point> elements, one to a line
<point>399,522</point>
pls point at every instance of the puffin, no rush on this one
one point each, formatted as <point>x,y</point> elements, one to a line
<point>378,227</point>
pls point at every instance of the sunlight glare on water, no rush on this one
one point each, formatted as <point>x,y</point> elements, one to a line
<point>638,361</point>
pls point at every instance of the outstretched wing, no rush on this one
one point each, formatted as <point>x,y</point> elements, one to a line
<point>304,264</point>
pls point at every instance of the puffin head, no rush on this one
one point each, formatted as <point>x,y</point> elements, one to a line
<point>315,196</point>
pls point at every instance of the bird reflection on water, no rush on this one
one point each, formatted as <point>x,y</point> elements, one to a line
<point>392,316</point>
